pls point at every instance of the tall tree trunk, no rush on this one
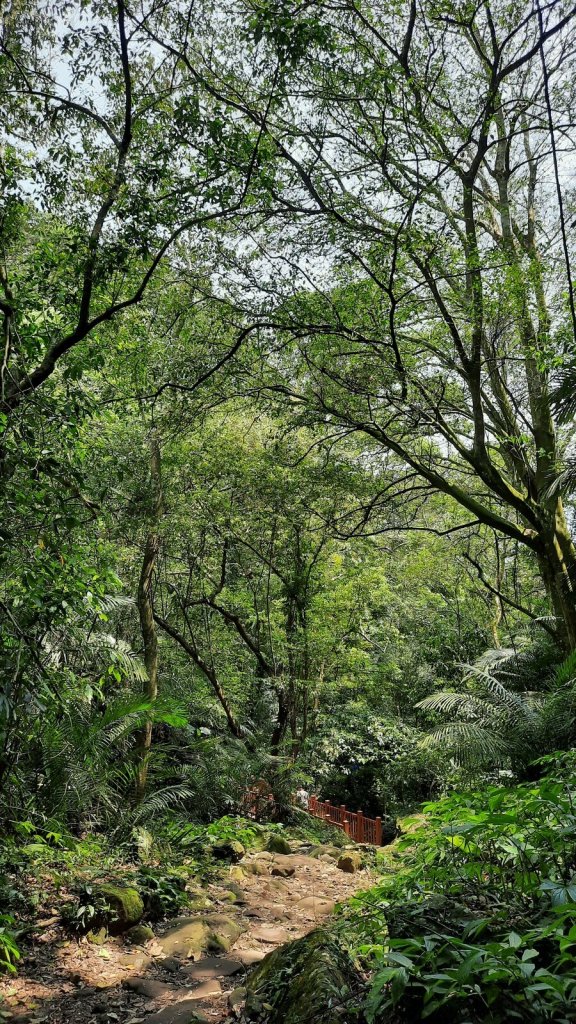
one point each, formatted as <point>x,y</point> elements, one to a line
<point>557,563</point>
<point>281,722</point>
<point>146,613</point>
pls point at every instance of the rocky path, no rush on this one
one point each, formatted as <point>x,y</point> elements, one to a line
<point>194,969</point>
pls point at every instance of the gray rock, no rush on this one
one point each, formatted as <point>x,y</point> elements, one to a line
<point>212,967</point>
<point>184,1012</point>
<point>149,987</point>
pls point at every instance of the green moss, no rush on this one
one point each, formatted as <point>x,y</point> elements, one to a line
<point>305,982</point>
<point>126,905</point>
<point>200,934</point>
<point>329,851</point>
<point>277,844</point>
<point>351,861</point>
<point>230,850</point>
<point>139,934</point>
<point>223,935</point>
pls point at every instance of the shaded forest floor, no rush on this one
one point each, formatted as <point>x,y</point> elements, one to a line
<point>269,899</point>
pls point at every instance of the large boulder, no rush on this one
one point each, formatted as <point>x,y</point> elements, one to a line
<point>305,982</point>
<point>202,933</point>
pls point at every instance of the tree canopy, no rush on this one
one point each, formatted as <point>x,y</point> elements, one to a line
<point>287,468</point>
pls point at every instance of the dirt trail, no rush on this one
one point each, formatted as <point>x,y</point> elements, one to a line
<point>77,982</point>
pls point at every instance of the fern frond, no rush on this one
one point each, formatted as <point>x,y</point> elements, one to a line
<point>565,674</point>
<point>107,603</point>
<point>446,702</point>
<point>468,742</point>
<point>161,801</point>
<point>119,653</point>
<point>564,393</point>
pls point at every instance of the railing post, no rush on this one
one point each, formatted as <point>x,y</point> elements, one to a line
<point>360,827</point>
<point>378,836</point>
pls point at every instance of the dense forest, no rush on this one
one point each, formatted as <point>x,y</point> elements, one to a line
<point>287,481</point>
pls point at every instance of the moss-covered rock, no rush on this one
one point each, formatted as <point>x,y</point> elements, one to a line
<point>350,861</point>
<point>196,899</point>
<point>305,982</point>
<point>139,934</point>
<point>125,902</point>
<point>238,873</point>
<point>230,850</point>
<point>236,891</point>
<point>277,844</point>
<point>256,867</point>
<point>328,851</point>
<point>223,933</point>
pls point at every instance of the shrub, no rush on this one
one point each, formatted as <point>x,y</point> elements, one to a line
<point>480,922</point>
<point>163,892</point>
<point>375,764</point>
<point>512,709</point>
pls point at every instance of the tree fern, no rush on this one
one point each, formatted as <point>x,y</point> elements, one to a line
<point>497,723</point>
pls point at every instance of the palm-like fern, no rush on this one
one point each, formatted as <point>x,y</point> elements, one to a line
<point>497,723</point>
<point>564,404</point>
<point>564,393</point>
<point>80,762</point>
<point>86,648</point>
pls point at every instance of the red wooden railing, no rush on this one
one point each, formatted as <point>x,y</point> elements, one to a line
<point>259,800</point>
<point>356,825</point>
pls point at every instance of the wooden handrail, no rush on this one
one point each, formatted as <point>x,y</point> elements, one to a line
<point>354,824</point>
<point>259,800</point>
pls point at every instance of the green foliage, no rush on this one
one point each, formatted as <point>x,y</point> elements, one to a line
<point>163,892</point>
<point>273,249</point>
<point>316,831</point>
<point>89,910</point>
<point>373,763</point>
<point>479,921</point>
<point>199,837</point>
<point>498,721</point>
<point>9,949</point>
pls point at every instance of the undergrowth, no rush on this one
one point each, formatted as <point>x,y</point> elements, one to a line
<point>41,867</point>
<point>478,924</point>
